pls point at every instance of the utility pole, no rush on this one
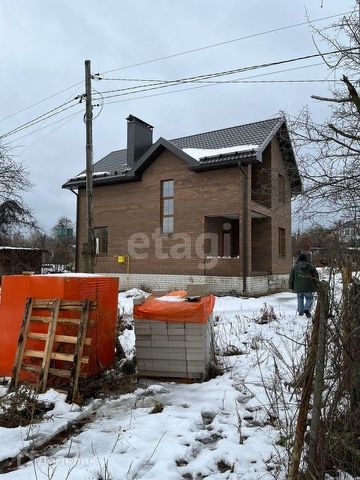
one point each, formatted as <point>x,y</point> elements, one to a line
<point>89,247</point>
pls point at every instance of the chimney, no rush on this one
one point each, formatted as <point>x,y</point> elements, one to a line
<point>139,139</point>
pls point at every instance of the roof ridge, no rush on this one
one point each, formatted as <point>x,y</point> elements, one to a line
<point>282,117</point>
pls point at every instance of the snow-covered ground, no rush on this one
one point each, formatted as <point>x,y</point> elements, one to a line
<point>227,428</point>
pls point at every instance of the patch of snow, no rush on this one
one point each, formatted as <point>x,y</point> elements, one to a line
<point>200,153</point>
<point>135,292</point>
<point>198,428</point>
<point>13,440</point>
<point>95,174</point>
<point>170,298</point>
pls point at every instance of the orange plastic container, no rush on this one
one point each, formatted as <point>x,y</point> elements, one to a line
<point>177,311</point>
<point>16,289</point>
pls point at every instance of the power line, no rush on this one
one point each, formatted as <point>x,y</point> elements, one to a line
<point>253,76</point>
<point>159,85</point>
<point>70,117</point>
<point>40,118</point>
<point>40,101</point>
<point>179,90</point>
<point>244,78</point>
<point>318,80</point>
<point>164,93</point>
<point>226,42</point>
<point>240,81</point>
<point>42,128</point>
<point>34,121</point>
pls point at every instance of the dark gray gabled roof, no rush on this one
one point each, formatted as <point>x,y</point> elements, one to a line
<point>250,134</point>
<point>114,162</point>
<point>258,134</point>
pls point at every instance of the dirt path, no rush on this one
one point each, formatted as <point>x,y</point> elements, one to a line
<point>48,447</point>
<point>52,443</point>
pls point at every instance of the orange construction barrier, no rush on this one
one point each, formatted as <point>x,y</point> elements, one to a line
<point>175,311</point>
<point>16,289</point>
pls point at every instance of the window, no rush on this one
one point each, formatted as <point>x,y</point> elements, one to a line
<point>167,206</point>
<point>282,242</point>
<point>101,240</point>
<point>281,188</point>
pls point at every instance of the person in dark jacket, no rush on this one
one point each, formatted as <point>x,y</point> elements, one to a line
<point>303,281</point>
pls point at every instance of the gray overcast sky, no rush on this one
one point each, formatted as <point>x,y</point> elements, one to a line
<point>44,44</point>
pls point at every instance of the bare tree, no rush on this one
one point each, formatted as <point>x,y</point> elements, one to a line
<point>329,153</point>
<point>14,215</point>
<point>329,162</point>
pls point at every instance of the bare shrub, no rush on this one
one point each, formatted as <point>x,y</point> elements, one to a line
<point>267,315</point>
<point>21,408</point>
<point>158,406</point>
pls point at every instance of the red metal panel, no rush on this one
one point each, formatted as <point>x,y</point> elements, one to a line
<point>17,288</point>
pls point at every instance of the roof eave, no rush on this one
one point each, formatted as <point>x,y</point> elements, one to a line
<point>101,181</point>
<point>200,167</point>
<point>289,155</point>
<point>295,179</point>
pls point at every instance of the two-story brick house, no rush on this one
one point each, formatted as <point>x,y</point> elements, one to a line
<point>214,206</point>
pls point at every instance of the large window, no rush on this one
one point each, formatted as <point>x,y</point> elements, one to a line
<point>101,240</point>
<point>167,206</point>
<point>281,188</point>
<point>282,242</point>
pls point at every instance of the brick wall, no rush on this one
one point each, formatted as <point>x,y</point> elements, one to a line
<point>281,213</point>
<point>133,208</point>
<point>260,284</point>
<point>217,284</point>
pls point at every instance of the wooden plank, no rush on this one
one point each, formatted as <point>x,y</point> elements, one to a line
<point>21,343</point>
<point>63,320</point>
<point>49,345</point>
<point>75,372</point>
<point>39,318</point>
<point>66,357</point>
<point>57,372</point>
<point>66,307</point>
<point>46,303</point>
<point>30,368</point>
<point>58,338</point>
<point>70,339</point>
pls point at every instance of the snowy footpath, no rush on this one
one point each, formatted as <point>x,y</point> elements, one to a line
<point>231,427</point>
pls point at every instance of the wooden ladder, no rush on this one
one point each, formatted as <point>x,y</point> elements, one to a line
<point>74,360</point>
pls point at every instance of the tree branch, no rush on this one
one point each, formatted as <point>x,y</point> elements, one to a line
<point>334,100</point>
<point>353,93</point>
<point>342,133</point>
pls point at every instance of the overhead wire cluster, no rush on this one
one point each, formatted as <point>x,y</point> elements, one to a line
<point>100,98</point>
<point>206,78</point>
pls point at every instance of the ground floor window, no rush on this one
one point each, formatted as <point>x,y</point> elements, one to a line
<point>101,240</point>
<point>223,235</point>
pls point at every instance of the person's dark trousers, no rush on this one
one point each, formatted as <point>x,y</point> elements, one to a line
<point>305,301</point>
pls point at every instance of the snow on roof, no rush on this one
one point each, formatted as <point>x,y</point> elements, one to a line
<point>95,174</point>
<point>199,153</point>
